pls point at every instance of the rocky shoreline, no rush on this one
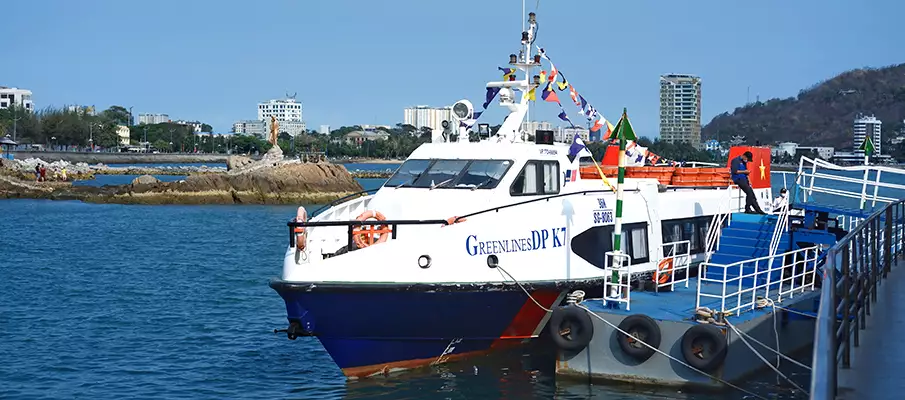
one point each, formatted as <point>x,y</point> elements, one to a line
<point>269,181</point>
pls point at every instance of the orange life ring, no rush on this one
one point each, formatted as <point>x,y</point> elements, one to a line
<point>301,234</point>
<point>663,271</point>
<point>366,235</point>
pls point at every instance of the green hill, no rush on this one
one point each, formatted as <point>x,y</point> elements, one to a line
<point>823,114</point>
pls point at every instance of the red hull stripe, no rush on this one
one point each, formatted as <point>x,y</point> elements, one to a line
<point>526,321</point>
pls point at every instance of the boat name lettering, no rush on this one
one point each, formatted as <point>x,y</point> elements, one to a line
<point>550,152</point>
<point>537,240</point>
<point>603,215</point>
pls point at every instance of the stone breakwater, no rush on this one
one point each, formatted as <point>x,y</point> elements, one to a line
<point>284,183</point>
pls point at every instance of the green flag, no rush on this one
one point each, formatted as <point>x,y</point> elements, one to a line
<point>867,146</point>
<point>623,129</point>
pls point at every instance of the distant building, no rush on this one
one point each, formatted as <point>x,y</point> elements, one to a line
<point>324,130</point>
<point>531,127</point>
<point>195,125</point>
<point>864,126</point>
<point>123,132</point>
<point>16,97</point>
<point>287,112</point>
<point>787,148</point>
<point>567,135</point>
<point>421,116</point>
<point>680,109</point>
<point>712,145</point>
<point>153,118</point>
<point>823,152</point>
<point>359,137</point>
<point>86,110</point>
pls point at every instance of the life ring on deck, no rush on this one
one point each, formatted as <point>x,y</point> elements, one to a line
<point>301,234</point>
<point>664,270</point>
<point>704,347</point>
<point>640,328</point>
<point>366,235</point>
<point>570,328</point>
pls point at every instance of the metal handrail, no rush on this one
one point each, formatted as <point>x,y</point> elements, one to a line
<point>861,259</point>
<point>716,224</point>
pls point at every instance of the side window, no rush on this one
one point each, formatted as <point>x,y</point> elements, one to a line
<point>536,178</point>
<point>592,244</point>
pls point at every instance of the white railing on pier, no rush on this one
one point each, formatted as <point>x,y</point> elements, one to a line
<point>735,297</point>
<point>616,269</point>
<point>808,184</point>
<point>675,261</point>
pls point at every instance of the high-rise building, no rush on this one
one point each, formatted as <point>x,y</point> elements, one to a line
<point>680,109</point>
<point>325,130</point>
<point>421,116</point>
<point>14,96</point>
<point>153,118</point>
<point>865,125</point>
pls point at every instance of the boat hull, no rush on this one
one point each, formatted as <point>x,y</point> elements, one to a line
<point>371,329</point>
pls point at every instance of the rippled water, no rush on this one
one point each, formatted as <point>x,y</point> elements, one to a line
<point>112,301</point>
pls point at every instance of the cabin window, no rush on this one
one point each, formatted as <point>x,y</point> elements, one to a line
<point>407,172</point>
<point>536,178</point>
<point>441,173</point>
<point>484,174</point>
<point>694,230</point>
<point>592,244</point>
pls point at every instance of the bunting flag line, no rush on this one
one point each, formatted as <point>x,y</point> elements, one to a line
<point>508,73</point>
<point>593,116</point>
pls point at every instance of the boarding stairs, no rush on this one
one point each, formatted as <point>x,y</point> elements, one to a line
<point>748,237</point>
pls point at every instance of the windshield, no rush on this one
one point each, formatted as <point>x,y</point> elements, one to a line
<point>407,172</point>
<point>484,174</point>
<point>461,174</point>
<point>441,173</point>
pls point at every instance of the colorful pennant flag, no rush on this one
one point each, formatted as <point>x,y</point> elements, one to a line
<point>543,77</point>
<point>549,94</point>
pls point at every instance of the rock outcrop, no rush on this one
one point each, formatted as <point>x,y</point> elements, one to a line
<point>288,183</point>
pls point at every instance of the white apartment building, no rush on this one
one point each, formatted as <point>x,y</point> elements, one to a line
<point>153,118</point>
<point>680,109</point>
<point>421,116</point>
<point>15,96</point>
<point>287,112</point>
<point>261,129</point>
<point>123,132</point>
<point>865,125</point>
<point>324,130</point>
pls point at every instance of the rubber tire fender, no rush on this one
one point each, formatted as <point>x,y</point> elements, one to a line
<point>718,347</point>
<point>653,336</point>
<point>580,325</point>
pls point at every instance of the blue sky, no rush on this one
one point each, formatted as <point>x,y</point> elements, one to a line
<point>362,62</point>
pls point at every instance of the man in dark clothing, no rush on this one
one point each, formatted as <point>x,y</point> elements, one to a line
<point>739,170</point>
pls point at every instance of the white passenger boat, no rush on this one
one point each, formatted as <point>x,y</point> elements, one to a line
<point>423,271</point>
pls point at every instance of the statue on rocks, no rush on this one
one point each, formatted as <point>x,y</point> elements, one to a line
<point>274,130</point>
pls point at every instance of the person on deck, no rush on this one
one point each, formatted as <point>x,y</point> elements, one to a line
<point>781,201</point>
<point>739,170</point>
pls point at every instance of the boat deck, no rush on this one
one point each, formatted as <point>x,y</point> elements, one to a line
<point>679,304</point>
<point>877,364</point>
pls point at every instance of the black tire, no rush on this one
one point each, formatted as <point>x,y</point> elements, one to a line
<point>704,347</point>
<point>571,328</point>
<point>640,327</point>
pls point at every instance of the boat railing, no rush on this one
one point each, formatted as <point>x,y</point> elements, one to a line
<point>712,241</point>
<point>678,260</point>
<point>782,226</point>
<point>741,283</point>
<point>361,196</point>
<point>809,181</point>
<point>618,278</point>
<point>351,226</point>
<point>854,268</point>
